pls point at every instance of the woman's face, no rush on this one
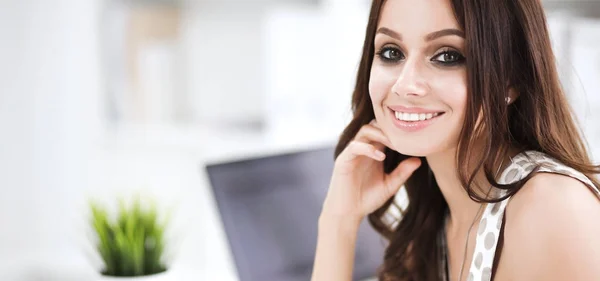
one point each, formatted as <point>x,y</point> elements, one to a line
<point>418,77</point>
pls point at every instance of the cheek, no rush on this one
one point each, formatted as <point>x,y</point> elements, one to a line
<point>456,98</point>
<point>380,84</point>
<point>452,90</point>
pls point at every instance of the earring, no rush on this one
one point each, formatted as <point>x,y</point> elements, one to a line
<point>508,100</point>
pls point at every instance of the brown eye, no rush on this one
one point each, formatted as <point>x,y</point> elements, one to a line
<point>389,54</point>
<point>449,58</point>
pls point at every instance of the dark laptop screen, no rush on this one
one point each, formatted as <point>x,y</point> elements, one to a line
<point>270,206</point>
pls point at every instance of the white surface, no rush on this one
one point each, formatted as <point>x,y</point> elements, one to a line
<point>165,163</point>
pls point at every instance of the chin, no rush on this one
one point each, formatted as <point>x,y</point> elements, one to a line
<point>415,148</point>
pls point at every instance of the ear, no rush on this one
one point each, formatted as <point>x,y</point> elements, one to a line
<point>511,96</point>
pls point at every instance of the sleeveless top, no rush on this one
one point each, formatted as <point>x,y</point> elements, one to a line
<point>491,222</point>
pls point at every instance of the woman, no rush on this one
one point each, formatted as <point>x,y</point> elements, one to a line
<point>459,101</point>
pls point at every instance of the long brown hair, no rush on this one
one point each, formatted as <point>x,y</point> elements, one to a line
<point>507,41</point>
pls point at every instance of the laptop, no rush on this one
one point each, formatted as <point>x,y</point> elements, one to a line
<point>269,207</point>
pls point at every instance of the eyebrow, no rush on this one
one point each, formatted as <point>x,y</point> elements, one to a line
<point>429,37</point>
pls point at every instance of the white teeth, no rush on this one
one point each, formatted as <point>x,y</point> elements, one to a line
<point>414,116</point>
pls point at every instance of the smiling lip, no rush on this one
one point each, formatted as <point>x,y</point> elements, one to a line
<point>400,108</point>
<point>413,126</point>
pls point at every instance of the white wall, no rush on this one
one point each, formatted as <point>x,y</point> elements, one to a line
<point>49,114</point>
<point>575,41</point>
<point>225,61</point>
<point>585,90</point>
<point>312,58</point>
<point>16,123</point>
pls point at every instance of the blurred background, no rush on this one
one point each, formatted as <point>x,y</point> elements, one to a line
<point>106,98</point>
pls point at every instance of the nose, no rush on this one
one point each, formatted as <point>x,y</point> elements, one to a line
<point>411,81</point>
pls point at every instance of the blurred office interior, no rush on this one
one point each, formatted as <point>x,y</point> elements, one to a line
<point>108,98</point>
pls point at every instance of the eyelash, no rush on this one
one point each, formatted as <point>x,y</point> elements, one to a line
<point>459,57</point>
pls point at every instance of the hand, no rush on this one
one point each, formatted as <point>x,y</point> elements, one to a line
<point>359,185</point>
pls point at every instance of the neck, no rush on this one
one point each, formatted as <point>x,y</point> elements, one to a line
<point>462,208</point>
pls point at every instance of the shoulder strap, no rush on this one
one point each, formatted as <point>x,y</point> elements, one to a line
<point>488,231</point>
<point>488,234</point>
<point>548,164</point>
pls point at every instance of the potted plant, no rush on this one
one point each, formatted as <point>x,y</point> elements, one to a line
<point>131,244</point>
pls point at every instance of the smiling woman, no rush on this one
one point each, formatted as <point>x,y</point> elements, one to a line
<point>459,102</point>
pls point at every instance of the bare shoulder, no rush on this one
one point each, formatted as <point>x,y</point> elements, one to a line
<point>554,194</point>
<point>552,230</point>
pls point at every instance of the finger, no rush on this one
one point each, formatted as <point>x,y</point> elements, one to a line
<point>373,135</point>
<point>398,176</point>
<point>357,148</point>
<point>375,124</point>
